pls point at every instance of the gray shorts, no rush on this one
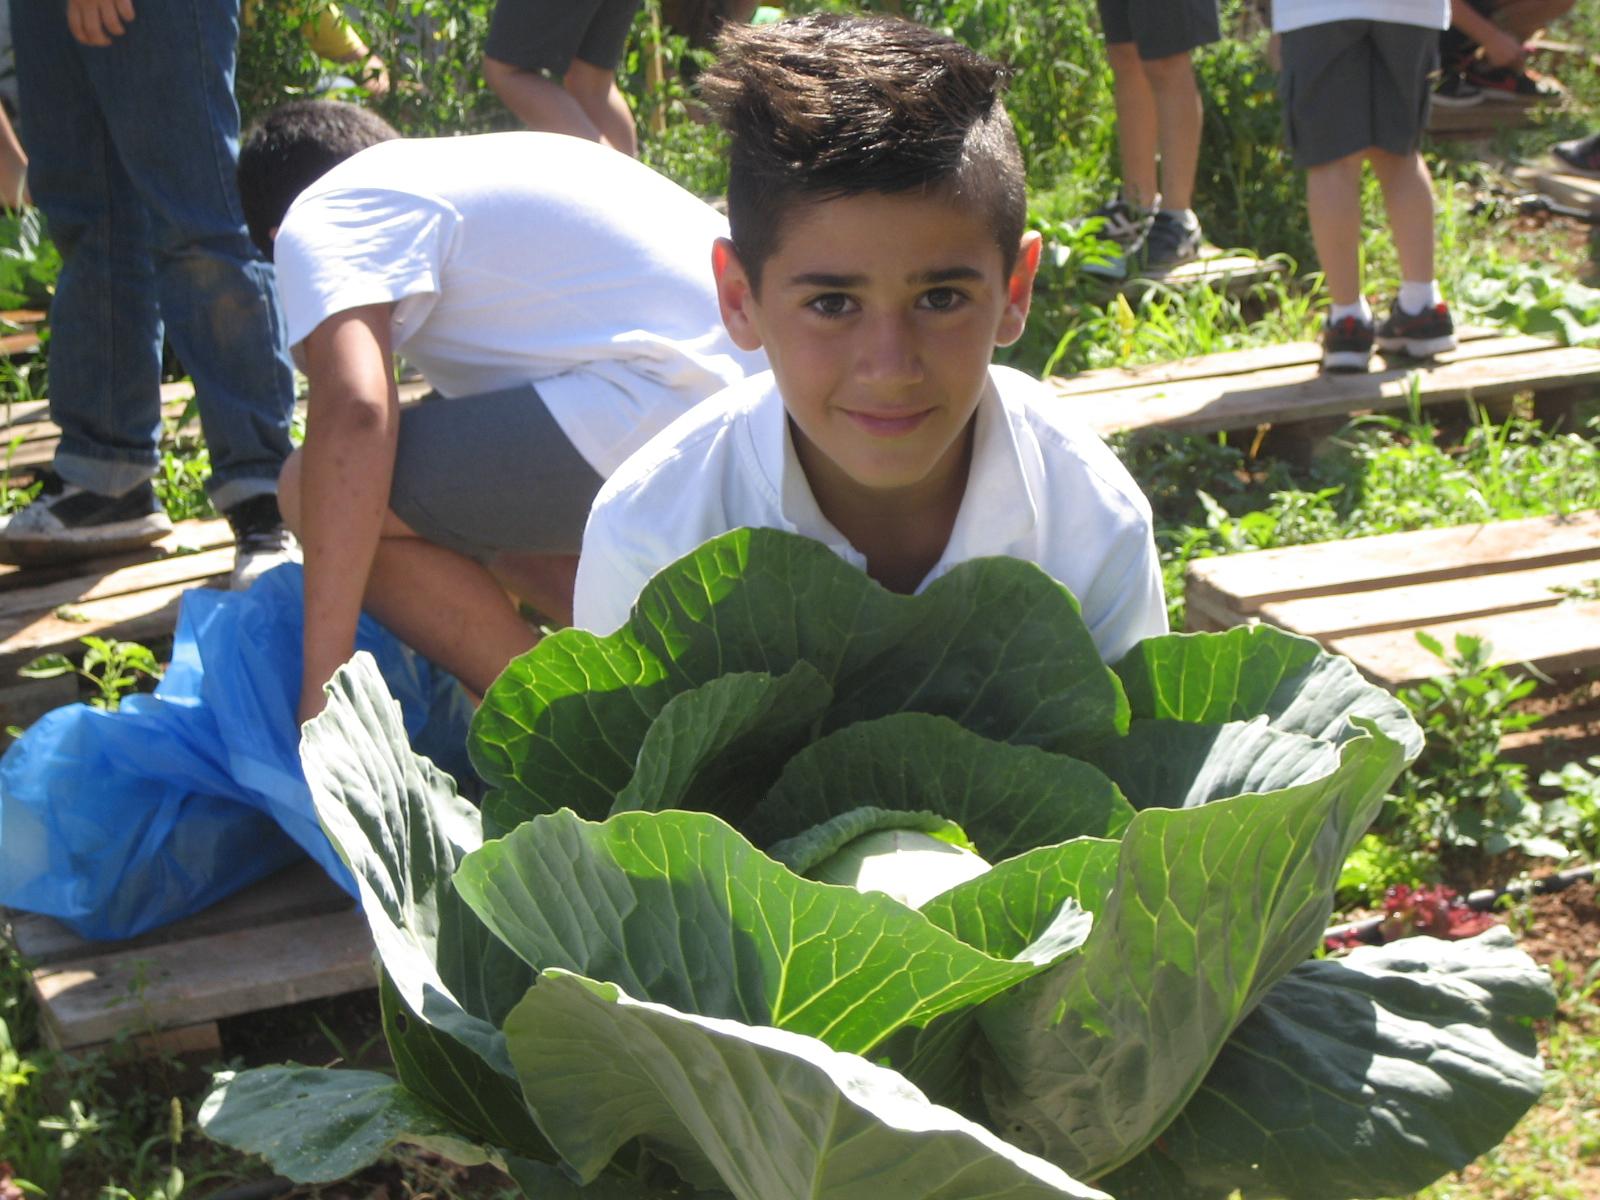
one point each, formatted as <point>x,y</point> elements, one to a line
<point>1161,28</point>
<point>1348,86</point>
<point>546,35</point>
<point>483,474</point>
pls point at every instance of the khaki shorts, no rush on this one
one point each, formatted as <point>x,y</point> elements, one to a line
<point>491,473</point>
<point>1349,86</point>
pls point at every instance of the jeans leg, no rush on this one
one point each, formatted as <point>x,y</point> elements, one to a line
<point>105,360</point>
<point>166,89</point>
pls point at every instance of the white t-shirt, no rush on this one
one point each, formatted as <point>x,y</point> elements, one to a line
<point>1297,14</point>
<point>523,258</point>
<point>1042,486</point>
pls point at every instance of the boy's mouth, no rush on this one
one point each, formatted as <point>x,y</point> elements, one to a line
<point>890,424</point>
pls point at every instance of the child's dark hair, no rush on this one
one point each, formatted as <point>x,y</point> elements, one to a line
<point>827,105</point>
<point>292,147</point>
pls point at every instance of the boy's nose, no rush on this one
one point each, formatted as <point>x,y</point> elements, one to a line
<point>890,352</point>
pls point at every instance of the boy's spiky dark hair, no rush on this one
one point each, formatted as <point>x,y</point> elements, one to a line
<point>828,105</point>
<point>292,147</point>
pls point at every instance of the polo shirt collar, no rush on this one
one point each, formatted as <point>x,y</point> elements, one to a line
<point>998,509</point>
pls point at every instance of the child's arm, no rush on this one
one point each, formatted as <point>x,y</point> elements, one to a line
<point>1500,48</point>
<point>347,465</point>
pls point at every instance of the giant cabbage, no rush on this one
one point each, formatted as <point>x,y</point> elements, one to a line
<point>630,974</point>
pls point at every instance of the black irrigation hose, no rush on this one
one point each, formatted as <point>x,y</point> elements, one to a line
<point>1483,900</point>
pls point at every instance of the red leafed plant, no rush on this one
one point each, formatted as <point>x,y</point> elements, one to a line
<point>1434,910</point>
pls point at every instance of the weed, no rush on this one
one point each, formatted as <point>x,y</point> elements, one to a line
<point>113,668</point>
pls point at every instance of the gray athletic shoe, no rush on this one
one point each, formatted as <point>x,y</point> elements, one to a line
<point>1127,225</point>
<point>65,523</point>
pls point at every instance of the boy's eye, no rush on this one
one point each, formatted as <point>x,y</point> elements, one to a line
<point>941,299</point>
<point>831,304</point>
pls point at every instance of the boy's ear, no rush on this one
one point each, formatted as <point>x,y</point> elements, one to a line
<point>735,296</point>
<point>1019,290</point>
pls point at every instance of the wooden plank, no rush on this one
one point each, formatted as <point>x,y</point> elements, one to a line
<point>24,702</point>
<point>19,605</point>
<point>1299,393</point>
<point>88,1000</point>
<point>1243,583</point>
<point>137,617</point>
<point>1230,270</point>
<point>1563,638</point>
<point>1235,363</point>
<point>1411,604</point>
<point>300,890</point>
<point>1479,120</point>
<point>187,537</point>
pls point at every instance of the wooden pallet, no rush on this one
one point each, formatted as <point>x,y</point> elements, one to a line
<point>1283,384</point>
<point>1549,176</point>
<point>1366,598</point>
<point>1231,271</point>
<point>131,597</point>
<point>294,936</point>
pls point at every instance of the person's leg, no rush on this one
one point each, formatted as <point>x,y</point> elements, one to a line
<point>442,604</point>
<point>596,92</point>
<point>1179,117</point>
<point>166,87</point>
<point>104,327</point>
<point>1333,206</point>
<point>1408,200</point>
<point>537,101</point>
<point>1137,124</point>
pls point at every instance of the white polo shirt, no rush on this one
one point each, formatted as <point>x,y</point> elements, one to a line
<point>1042,487</point>
<point>1289,15</point>
<point>516,258</point>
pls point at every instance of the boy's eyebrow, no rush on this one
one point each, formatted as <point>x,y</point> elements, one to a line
<point>938,275</point>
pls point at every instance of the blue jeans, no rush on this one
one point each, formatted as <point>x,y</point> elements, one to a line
<point>132,151</point>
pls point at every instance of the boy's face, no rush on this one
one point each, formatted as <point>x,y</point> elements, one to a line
<point>879,314</point>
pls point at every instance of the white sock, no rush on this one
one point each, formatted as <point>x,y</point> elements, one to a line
<point>1184,216</point>
<point>1416,297</point>
<point>1358,310</point>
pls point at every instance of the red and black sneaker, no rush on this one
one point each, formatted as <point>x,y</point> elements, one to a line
<point>1346,344</point>
<point>1420,335</point>
<point>1512,86</point>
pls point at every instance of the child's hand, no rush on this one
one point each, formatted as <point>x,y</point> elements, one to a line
<point>1501,49</point>
<point>96,22</point>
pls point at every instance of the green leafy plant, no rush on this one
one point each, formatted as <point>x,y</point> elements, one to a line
<point>628,964</point>
<point>1574,813</point>
<point>113,668</point>
<point>29,261</point>
<point>1461,798</point>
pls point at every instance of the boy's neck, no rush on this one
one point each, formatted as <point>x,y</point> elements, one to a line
<point>902,532</point>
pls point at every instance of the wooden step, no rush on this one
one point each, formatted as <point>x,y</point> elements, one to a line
<point>1283,384</point>
<point>1549,176</point>
<point>1477,122</point>
<point>1510,582</point>
<point>1231,271</point>
<point>294,936</point>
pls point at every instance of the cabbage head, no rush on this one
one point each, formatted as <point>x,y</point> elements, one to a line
<point>1076,963</point>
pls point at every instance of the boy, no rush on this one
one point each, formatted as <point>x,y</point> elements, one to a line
<point>554,292</point>
<point>1150,45</point>
<point>877,254</point>
<point>1381,51</point>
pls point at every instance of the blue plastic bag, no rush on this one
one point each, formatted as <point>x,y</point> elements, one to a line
<point>115,823</point>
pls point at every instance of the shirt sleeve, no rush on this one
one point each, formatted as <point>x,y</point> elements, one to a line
<point>352,247</point>
<point>609,580</point>
<point>1128,596</point>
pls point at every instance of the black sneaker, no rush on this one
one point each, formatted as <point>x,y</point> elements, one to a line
<point>1453,91</point>
<point>1420,335</point>
<point>261,541</point>
<point>1581,155</point>
<point>64,523</point>
<point>1346,344</point>
<point>1125,224</point>
<point>1171,243</point>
